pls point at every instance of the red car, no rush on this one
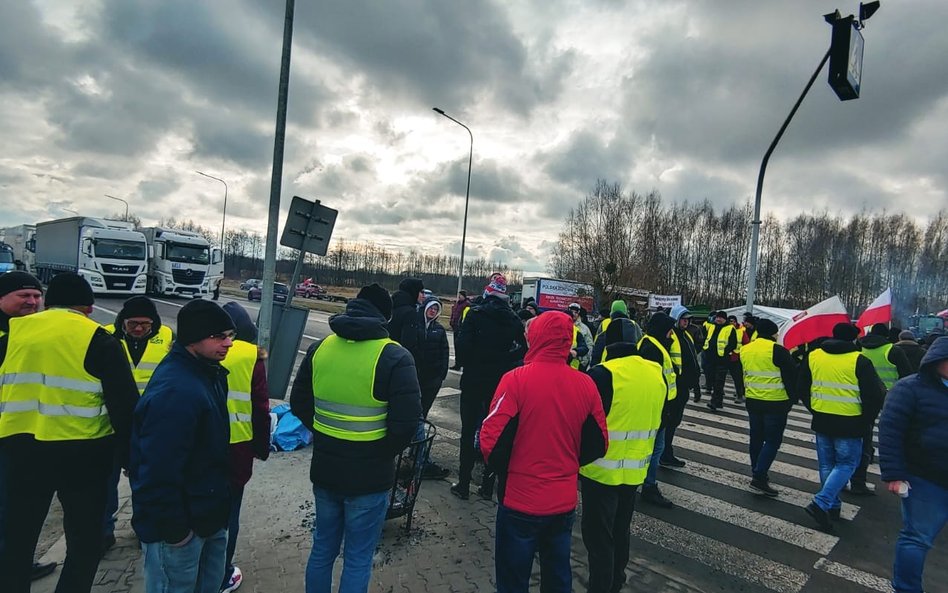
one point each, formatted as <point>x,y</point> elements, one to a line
<point>309,289</point>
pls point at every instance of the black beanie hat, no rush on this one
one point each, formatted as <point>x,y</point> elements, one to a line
<point>380,298</point>
<point>766,328</point>
<point>412,286</point>
<point>139,306</point>
<point>846,332</point>
<point>721,314</point>
<point>201,319</point>
<point>68,289</point>
<point>17,280</point>
<point>880,329</point>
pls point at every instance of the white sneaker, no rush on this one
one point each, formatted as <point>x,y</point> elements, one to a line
<point>236,578</point>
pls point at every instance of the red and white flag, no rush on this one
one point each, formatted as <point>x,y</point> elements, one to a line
<point>880,311</point>
<point>815,322</point>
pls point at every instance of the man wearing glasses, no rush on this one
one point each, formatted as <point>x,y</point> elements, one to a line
<point>146,342</point>
<point>180,457</point>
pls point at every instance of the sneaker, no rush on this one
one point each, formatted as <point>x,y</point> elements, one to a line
<point>764,487</point>
<point>821,517</point>
<point>486,492</point>
<point>862,489</point>
<point>652,495</point>
<point>433,471</point>
<point>739,399</point>
<point>233,582</point>
<point>671,462</point>
<point>712,407</point>
<point>462,491</point>
<point>42,569</point>
<point>834,514</point>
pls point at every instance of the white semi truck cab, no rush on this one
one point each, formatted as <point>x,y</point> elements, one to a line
<point>179,262</point>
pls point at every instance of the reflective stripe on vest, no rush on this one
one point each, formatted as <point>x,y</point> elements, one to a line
<point>762,378</point>
<point>880,359</point>
<point>835,386</point>
<point>575,362</point>
<point>638,396</point>
<point>157,348</point>
<point>343,384</point>
<point>240,361</point>
<point>45,390</point>
<point>675,351</point>
<point>668,368</point>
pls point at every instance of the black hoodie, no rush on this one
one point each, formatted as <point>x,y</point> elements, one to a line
<point>137,306</point>
<point>658,327</point>
<point>407,326</point>
<point>490,343</point>
<point>896,356</point>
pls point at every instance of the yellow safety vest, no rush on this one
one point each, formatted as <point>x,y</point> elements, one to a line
<point>835,386</point>
<point>739,338</point>
<point>464,313</point>
<point>762,377</point>
<point>45,389</point>
<point>675,351</point>
<point>575,362</point>
<point>343,382</point>
<point>603,326</point>
<point>723,337</point>
<point>240,361</point>
<point>668,367</point>
<point>880,359</point>
<point>159,345</point>
<point>638,395</point>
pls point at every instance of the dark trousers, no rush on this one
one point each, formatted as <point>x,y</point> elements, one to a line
<point>868,453</point>
<point>454,332</point>
<point>112,501</point>
<point>674,417</point>
<point>736,370</point>
<point>473,410</point>
<point>719,372</point>
<point>519,537</point>
<point>607,517</point>
<point>233,528</point>
<point>707,367</point>
<point>77,473</point>
<point>429,392</point>
<point>766,435</point>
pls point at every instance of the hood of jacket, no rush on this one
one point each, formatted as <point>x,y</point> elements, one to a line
<point>361,321</point>
<point>400,298</point>
<point>937,352</point>
<point>658,327</point>
<point>873,341</point>
<point>137,306</point>
<point>550,337</point>
<point>431,302</point>
<point>246,330</point>
<point>834,346</point>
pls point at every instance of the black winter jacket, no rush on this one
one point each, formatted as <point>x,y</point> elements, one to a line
<point>896,355</point>
<point>407,326</point>
<point>913,430</point>
<point>351,467</point>
<point>490,343</point>
<point>434,354</point>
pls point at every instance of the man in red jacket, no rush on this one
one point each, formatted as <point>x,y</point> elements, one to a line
<point>546,419</point>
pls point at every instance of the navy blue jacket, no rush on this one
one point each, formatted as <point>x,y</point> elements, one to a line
<point>180,459</point>
<point>913,430</point>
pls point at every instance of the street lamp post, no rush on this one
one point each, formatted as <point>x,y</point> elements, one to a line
<point>224,216</point>
<point>467,195</point>
<point>122,201</point>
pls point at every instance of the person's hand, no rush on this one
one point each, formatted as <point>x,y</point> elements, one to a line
<point>895,487</point>
<point>185,541</point>
<point>572,353</point>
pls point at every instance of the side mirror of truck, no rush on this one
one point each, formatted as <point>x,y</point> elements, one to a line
<point>31,245</point>
<point>217,256</point>
<point>151,251</point>
<point>87,247</point>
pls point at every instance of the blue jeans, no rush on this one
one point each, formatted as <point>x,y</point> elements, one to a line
<point>838,458</point>
<point>112,502</point>
<point>358,520</point>
<point>766,434</point>
<point>924,514</point>
<point>195,567</point>
<point>518,537</point>
<point>651,475</point>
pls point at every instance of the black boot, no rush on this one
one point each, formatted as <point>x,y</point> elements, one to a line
<point>652,495</point>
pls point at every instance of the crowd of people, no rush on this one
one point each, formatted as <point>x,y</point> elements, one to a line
<point>553,405</point>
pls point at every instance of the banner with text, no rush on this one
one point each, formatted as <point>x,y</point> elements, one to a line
<point>663,301</point>
<point>556,294</point>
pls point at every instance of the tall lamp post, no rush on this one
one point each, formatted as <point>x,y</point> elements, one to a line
<point>467,196</point>
<point>845,78</point>
<point>122,201</point>
<point>224,216</point>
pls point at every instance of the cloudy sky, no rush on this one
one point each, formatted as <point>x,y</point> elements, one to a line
<point>130,97</point>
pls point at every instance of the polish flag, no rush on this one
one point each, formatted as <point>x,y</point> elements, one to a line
<point>815,322</point>
<point>880,311</point>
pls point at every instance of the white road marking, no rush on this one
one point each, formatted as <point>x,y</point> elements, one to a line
<point>854,575</point>
<point>744,439</point>
<point>808,437</point>
<point>787,469</point>
<point>104,309</point>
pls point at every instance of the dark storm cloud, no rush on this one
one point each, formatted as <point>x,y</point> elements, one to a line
<point>152,190</point>
<point>28,52</point>
<point>490,182</point>
<point>221,135</point>
<point>584,157</point>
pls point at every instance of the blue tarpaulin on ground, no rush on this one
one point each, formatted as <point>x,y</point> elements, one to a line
<point>290,433</point>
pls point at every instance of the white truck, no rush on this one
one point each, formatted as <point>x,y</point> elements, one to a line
<point>109,254</point>
<point>180,262</point>
<point>18,238</point>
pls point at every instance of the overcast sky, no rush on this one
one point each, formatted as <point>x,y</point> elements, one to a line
<point>130,97</point>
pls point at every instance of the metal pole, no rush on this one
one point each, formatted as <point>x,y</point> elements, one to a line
<point>122,201</point>
<point>467,195</point>
<point>224,217</point>
<point>755,230</point>
<point>276,183</point>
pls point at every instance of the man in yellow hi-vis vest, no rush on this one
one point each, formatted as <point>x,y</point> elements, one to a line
<point>656,346</point>
<point>718,347</point>
<point>841,389</point>
<point>248,406</point>
<point>66,401</point>
<point>357,391</point>
<point>633,392</point>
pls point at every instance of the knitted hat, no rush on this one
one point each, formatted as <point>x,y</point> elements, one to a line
<point>721,314</point>
<point>766,328</point>
<point>412,286</point>
<point>68,289</point>
<point>619,306</point>
<point>497,286</point>
<point>879,329</point>
<point>201,319</point>
<point>906,335</point>
<point>846,332</point>
<point>380,298</point>
<point>17,280</point>
<point>139,306</point>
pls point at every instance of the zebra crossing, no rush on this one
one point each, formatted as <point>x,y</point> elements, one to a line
<point>719,524</point>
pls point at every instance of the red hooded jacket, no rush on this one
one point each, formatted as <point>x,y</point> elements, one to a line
<point>546,419</point>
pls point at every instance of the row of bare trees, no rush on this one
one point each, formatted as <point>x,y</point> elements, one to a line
<point>616,239</point>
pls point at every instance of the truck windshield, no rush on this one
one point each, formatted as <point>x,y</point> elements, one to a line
<point>119,249</point>
<point>6,257</point>
<point>188,254</point>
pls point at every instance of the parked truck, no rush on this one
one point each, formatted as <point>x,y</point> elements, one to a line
<point>18,238</point>
<point>180,262</point>
<point>553,293</point>
<point>109,254</point>
<point>6,258</point>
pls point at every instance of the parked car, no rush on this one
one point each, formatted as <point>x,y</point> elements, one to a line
<point>251,283</point>
<point>280,293</point>
<point>309,289</point>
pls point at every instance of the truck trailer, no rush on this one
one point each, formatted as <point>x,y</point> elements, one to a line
<point>554,293</point>
<point>109,254</point>
<point>180,262</point>
<point>19,238</point>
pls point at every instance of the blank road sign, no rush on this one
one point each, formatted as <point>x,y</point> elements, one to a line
<point>308,226</point>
